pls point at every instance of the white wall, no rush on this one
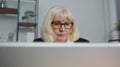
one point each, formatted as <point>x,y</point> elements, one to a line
<point>118,7</point>
<point>7,26</point>
<point>114,17</point>
<point>89,15</point>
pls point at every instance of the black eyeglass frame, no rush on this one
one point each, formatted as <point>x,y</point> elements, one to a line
<point>62,24</point>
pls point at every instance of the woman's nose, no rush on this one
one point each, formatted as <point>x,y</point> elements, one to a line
<point>62,28</point>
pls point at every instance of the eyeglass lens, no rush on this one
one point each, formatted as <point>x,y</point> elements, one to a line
<point>59,24</point>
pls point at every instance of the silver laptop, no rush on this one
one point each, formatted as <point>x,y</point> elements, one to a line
<point>58,55</point>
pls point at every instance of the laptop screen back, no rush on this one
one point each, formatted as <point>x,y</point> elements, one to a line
<point>65,56</point>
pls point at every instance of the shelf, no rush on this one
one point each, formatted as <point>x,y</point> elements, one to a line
<point>27,24</point>
<point>25,0</point>
<point>8,11</point>
<point>114,40</point>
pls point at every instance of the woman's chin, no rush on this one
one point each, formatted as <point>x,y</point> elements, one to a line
<point>61,40</point>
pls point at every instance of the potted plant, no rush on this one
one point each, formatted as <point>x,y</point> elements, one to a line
<point>118,27</point>
<point>27,15</point>
<point>2,4</point>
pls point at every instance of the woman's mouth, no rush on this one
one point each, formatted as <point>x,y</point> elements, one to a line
<point>61,35</point>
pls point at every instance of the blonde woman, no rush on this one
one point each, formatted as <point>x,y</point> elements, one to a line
<point>59,26</point>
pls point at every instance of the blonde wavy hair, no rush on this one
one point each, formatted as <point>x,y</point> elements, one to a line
<point>46,30</point>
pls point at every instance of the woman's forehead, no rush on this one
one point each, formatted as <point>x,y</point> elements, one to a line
<point>60,19</point>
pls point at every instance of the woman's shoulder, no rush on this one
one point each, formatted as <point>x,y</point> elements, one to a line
<point>38,40</point>
<point>79,40</point>
<point>82,40</point>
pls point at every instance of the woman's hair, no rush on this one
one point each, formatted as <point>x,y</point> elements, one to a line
<point>57,12</point>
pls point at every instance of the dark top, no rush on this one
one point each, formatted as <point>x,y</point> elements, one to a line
<point>79,40</point>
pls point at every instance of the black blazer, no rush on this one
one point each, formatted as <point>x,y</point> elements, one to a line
<point>79,40</point>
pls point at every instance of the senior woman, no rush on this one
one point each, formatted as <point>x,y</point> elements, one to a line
<point>59,26</point>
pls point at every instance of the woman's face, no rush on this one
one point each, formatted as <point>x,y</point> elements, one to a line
<point>61,29</point>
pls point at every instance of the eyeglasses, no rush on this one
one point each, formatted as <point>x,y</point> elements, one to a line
<point>67,25</point>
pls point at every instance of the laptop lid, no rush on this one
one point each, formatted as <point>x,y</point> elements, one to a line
<point>58,55</point>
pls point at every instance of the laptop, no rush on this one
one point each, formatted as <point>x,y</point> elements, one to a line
<point>59,55</point>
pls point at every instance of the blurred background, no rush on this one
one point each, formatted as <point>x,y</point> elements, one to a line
<point>20,20</point>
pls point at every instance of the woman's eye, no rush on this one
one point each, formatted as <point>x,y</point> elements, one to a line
<point>67,24</point>
<point>56,24</point>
